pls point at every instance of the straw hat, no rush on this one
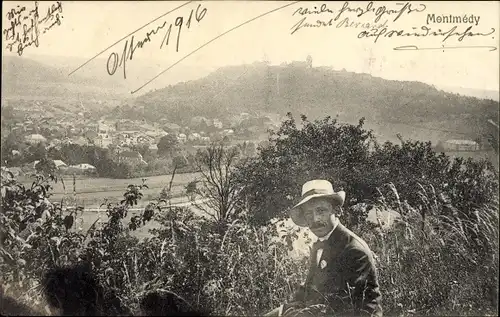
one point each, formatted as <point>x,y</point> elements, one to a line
<point>315,189</point>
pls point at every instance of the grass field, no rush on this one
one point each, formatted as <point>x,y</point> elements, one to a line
<point>91,192</point>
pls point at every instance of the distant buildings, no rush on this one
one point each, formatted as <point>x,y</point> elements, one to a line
<point>103,140</point>
<point>132,158</point>
<point>205,139</point>
<point>153,148</point>
<point>460,145</point>
<point>59,164</point>
<point>35,139</point>
<point>228,132</point>
<point>182,138</point>
<point>171,128</point>
<point>105,127</point>
<point>79,140</point>
<point>144,139</point>
<point>194,137</point>
<point>81,168</point>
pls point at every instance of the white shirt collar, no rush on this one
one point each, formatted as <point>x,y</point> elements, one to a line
<point>335,222</point>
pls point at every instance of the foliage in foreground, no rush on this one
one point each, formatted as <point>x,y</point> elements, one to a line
<point>224,268</point>
<point>427,266</point>
<point>441,256</point>
<point>433,264</point>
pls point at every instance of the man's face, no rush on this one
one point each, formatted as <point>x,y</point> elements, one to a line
<point>317,213</point>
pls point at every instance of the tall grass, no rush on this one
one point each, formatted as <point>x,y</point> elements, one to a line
<point>430,262</point>
<point>229,270</point>
<point>435,264</point>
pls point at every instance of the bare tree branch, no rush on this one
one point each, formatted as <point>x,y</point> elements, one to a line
<point>215,165</point>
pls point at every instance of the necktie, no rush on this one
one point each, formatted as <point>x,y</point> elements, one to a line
<point>320,245</point>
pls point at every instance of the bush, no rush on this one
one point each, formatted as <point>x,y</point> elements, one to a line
<point>272,181</point>
<point>352,160</point>
<point>211,264</point>
<point>34,237</point>
<point>46,166</point>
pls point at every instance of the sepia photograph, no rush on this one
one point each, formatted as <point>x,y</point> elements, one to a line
<point>250,158</point>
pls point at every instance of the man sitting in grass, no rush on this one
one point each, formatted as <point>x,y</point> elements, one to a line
<point>342,274</point>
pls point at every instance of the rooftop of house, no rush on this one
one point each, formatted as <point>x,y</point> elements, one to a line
<point>462,142</point>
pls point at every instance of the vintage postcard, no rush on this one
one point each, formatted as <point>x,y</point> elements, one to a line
<point>249,158</point>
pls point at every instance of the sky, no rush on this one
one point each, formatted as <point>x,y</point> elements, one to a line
<point>89,27</point>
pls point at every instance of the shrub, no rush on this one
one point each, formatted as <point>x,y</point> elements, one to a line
<point>271,181</point>
<point>34,237</point>
<point>228,269</point>
<point>351,159</point>
<point>224,268</point>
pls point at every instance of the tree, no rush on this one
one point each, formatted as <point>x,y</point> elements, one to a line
<point>8,113</point>
<point>247,148</point>
<point>180,161</point>
<point>350,157</point>
<point>13,142</point>
<point>37,152</point>
<point>46,167</point>
<point>191,190</point>
<point>143,149</point>
<point>309,61</point>
<point>8,118</point>
<point>167,145</point>
<point>73,154</point>
<point>479,142</point>
<point>218,184</point>
<point>272,181</point>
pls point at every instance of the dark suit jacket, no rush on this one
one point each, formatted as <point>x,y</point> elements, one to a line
<point>348,284</point>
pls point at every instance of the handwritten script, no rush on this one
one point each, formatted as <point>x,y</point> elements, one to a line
<point>131,45</point>
<point>375,28</point>
<point>115,60</point>
<point>333,15</point>
<point>424,31</point>
<point>26,25</point>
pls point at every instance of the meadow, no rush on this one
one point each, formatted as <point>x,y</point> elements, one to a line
<point>91,192</point>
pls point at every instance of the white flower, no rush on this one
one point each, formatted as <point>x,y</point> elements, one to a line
<point>322,264</point>
<point>211,287</point>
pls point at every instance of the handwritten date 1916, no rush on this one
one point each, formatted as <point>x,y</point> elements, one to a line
<point>115,60</point>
